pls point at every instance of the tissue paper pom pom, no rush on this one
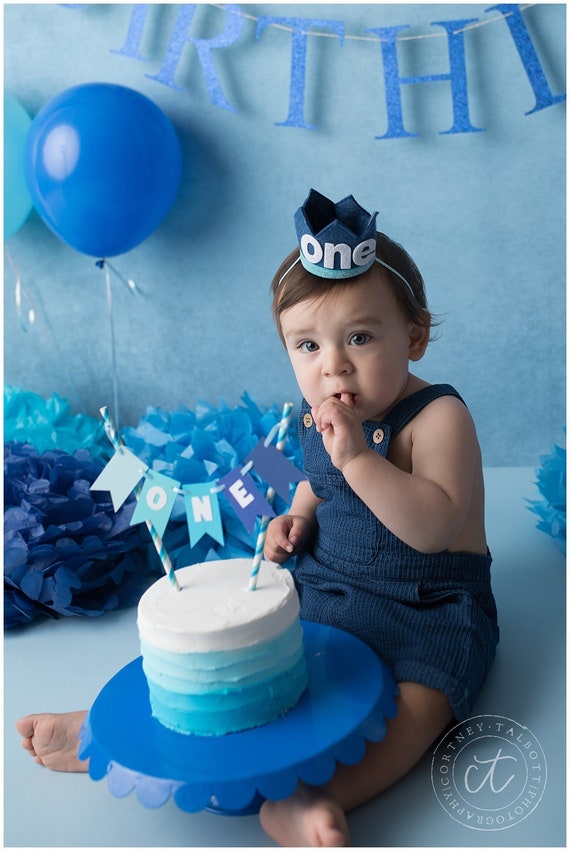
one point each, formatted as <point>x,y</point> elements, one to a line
<point>65,550</point>
<point>552,485</point>
<point>203,445</point>
<point>49,424</point>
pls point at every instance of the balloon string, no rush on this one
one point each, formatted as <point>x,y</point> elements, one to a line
<point>43,324</point>
<point>113,343</point>
<point>19,290</point>
<point>132,287</point>
<point>128,282</point>
<point>64,361</point>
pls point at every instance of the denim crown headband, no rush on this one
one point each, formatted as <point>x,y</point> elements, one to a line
<point>337,241</point>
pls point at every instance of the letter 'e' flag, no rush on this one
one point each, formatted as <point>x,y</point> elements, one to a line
<point>246,500</point>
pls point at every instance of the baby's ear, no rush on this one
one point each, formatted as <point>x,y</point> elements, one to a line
<point>419,338</point>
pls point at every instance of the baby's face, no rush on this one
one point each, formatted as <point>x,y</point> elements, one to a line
<point>354,343</point>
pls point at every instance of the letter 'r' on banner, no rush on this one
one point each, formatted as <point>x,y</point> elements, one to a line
<point>121,475</point>
<point>203,513</point>
<point>156,501</point>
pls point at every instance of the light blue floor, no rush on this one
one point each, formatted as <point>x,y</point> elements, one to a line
<point>58,666</point>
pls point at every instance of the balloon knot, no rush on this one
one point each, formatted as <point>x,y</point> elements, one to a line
<point>100,264</point>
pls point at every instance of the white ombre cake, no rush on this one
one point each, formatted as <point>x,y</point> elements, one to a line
<point>218,657</point>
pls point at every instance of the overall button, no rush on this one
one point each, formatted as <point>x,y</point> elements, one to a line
<point>378,435</point>
<point>307,421</point>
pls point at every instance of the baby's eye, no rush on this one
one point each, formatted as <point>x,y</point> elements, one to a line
<point>308,346</point>
<point>359,339</point>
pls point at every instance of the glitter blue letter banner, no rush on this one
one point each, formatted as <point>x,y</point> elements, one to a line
<point>300,28</point>
<point>194,35</point>
<point>204,46</point>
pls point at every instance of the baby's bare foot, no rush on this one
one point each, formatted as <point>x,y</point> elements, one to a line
<point>309,818</point>
<point>53,740</point>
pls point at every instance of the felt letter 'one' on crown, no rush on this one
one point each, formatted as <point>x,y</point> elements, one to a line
<point>336,240</point>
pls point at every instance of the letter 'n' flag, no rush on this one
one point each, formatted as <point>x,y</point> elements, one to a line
<point>275,469</point>
<point>203,513</point>
<point>156,501</point>
<point>246,500</point>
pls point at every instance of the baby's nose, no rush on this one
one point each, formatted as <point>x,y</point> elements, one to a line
<point>336,362</point>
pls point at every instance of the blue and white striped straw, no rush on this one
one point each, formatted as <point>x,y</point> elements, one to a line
<point>260,543</point>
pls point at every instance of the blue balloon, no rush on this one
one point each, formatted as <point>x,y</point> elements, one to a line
<point>17,201</point>
<point>103,166</point>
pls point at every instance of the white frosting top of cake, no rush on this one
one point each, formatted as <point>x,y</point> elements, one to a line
<point>215,610</point>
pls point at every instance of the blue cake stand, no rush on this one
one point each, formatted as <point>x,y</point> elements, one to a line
<point>350,694</point>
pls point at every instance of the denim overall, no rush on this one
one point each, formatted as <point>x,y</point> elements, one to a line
<point>431,617</point>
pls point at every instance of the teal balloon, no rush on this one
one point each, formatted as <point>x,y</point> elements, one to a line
<point>17,199</point>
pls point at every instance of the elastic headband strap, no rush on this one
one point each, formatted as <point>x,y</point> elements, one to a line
<point>284,275</point>
<point>398,275</point>
<point>377,259</point>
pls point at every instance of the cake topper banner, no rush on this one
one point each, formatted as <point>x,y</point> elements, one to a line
<point>156,501</point>
<point>272,466</point>
<point>120,477</point>
<point>158,494</point>
<point>203,513</point>
<point>246,500</point>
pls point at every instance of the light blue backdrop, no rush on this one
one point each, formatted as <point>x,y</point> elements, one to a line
<point>483,213</point>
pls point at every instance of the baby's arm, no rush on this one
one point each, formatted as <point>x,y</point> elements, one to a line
<point>429,505</point>
<point>289,533</point>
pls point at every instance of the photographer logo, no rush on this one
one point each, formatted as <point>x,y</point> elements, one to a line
<point>489,772</point>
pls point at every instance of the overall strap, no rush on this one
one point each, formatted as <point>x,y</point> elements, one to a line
<point>408,408</point>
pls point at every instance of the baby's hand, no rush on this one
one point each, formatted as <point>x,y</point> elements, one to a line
<point>286,535</point>
<point>341,428</point>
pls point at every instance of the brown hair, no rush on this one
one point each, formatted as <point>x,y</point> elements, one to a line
<point>297,284</point>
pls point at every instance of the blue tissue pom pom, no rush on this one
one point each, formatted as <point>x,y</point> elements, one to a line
<point>66,552</point>
<point>551,482</point>
<point>50,424</point>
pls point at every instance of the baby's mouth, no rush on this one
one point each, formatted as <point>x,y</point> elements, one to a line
<point>348,398</point>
